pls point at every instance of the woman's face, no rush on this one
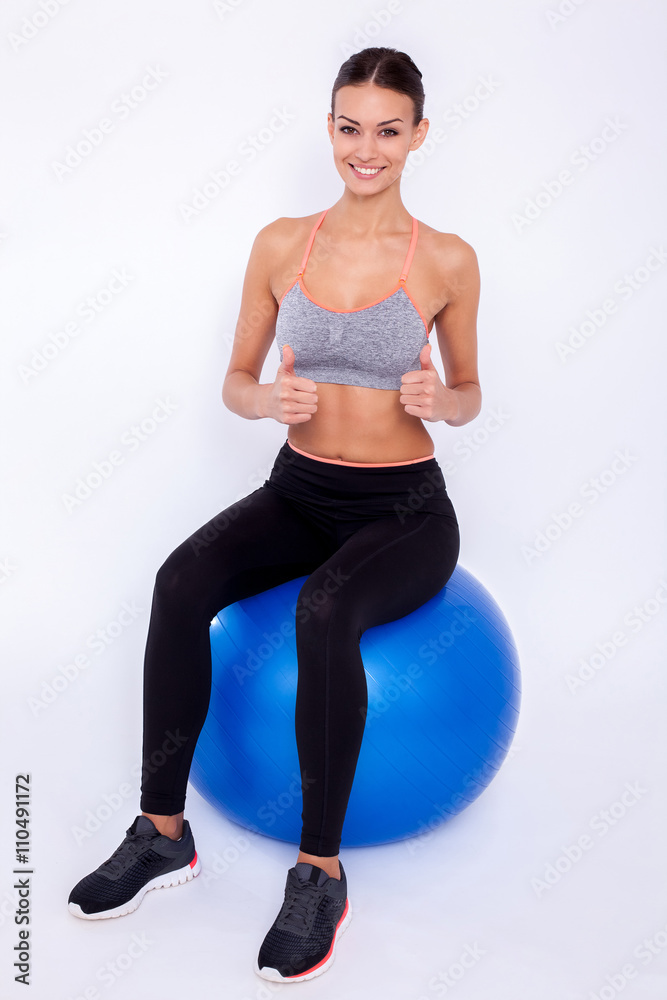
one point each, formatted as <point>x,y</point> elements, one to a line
<point>373,130</point>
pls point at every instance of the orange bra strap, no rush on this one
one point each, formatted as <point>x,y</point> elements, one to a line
<point>411,250</point>
<point>406,264</point>
<point>310,242</point>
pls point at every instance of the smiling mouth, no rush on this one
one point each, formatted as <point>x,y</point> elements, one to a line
<point>366,171</point>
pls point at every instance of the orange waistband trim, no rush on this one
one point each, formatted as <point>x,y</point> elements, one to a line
<point>365,465</point>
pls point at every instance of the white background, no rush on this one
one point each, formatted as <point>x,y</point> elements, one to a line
<point>552,82</point>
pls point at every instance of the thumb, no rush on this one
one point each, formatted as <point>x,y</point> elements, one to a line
<point>425,357</point>
<point>287,364</point>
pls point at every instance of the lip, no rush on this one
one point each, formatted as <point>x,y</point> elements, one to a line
<point>365,177</point>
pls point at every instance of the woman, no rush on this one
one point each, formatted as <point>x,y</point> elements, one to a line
<point>355,499</point>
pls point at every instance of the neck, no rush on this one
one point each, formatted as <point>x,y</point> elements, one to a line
<point>370,215</point>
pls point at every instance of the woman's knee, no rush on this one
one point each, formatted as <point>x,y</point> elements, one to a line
<point>176,578</point>
<point>322,595</point>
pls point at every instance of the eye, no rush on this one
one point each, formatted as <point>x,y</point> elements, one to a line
<point>344,128</point>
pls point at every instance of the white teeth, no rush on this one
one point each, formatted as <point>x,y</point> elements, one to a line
<point>366,170</point>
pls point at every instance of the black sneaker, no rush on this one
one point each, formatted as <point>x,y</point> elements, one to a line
<point>301,942</point>
<point>145,860</point>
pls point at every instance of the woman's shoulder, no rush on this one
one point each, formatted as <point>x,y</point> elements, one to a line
<point>448,245</point>
<point>279,246</point>
<point>451,260</point>
<point>286,229</point>
<point>451,256</point>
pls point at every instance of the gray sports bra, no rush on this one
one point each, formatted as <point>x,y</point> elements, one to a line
<point>372,346</point>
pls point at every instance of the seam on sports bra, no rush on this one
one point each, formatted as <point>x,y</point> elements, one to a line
<point>360,308</point>
<point>399,284</point>
<point>298,282</point>
<point>286,291</point>
<point>428,332</point>
<point>356,309</point>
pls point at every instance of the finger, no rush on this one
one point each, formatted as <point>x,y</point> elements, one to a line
<point>287,363</point>
<point>303,384</point>
<point>296,418</point>
<point>425,358</point>
<point>292,399</point>
<point>411,388</point>
<point>415,401</point>
<point>291,395</point>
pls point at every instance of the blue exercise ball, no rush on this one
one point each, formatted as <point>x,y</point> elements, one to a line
<point>444,691</point>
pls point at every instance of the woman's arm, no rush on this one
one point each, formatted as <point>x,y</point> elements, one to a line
<point>456,327</point>
<point>289,398</point>
<point>255,329</point>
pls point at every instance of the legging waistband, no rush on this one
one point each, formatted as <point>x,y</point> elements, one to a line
<point>362,465</point>
<point>374,489</point>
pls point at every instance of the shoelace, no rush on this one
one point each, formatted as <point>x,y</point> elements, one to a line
<point>130,849</point>
<point>301,902</point>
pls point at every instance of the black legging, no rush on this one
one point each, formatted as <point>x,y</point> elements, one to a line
<point>377,542</point>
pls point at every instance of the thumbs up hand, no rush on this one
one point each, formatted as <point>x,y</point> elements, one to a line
<point>423,393</point>
<point>292,399</point>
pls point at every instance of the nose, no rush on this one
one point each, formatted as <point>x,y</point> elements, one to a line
<point>367,148</point>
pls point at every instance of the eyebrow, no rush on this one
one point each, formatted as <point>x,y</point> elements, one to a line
<point>378,124</point>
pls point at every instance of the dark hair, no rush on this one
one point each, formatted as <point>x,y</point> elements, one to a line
<point>384,67</point>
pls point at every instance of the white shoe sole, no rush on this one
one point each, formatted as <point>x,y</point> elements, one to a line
<point>177,877</point>
<point>274,976</point>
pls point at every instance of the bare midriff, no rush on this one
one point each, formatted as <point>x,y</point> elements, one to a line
<point>361,425</point>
